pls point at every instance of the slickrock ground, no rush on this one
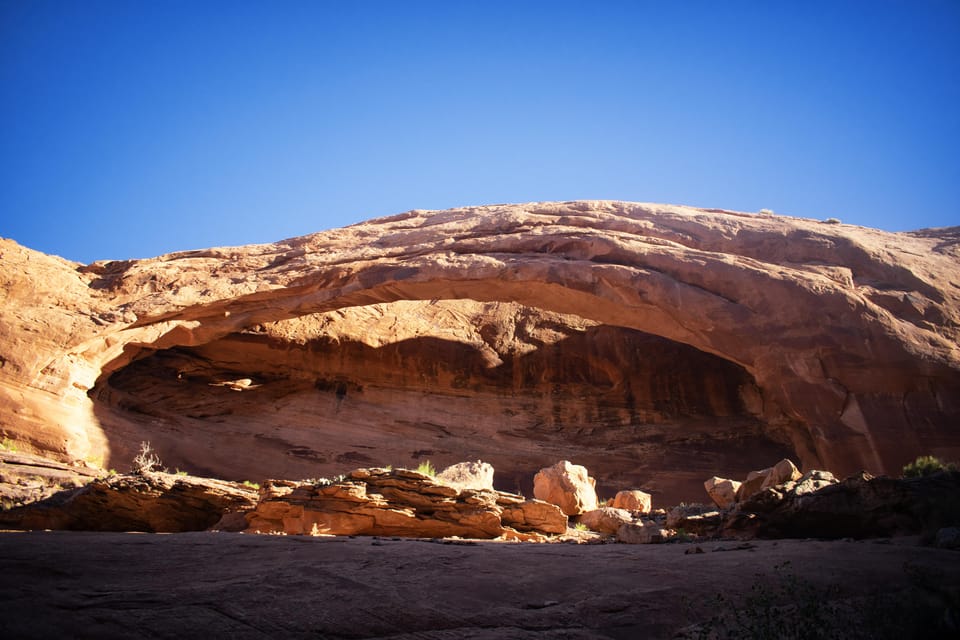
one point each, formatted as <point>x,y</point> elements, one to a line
<point>657,345</point>
<point>203,585</point>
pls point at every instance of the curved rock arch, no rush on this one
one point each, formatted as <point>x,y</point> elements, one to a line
<point>858,349</point>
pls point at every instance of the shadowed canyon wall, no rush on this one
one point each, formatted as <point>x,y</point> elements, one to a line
<point>657,345</point>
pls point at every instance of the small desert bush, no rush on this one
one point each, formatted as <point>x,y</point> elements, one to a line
<point>426,468</point>
<point>251,485</point>
<point>8,445</point>
<point>580,526</point>
<point>925,466</point>
<point>146,460</point>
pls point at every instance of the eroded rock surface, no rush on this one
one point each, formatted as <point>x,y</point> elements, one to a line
<point>860,506</point>
<point>152,502</point>
<point>398,503</point>
<point>655,344</point>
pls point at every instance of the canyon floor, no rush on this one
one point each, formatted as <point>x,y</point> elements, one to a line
<point>125,585</point>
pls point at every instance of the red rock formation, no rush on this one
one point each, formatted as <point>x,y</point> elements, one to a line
<point>400,503</point>
<point>654,344</point>
<point>154,502</point>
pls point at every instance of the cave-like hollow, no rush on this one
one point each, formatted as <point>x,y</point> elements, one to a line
<point>445,381</point>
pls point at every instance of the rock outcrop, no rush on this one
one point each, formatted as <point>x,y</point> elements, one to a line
<point>152,502</point>
<point>399,503</point>
<point>655,344</point>
<point>26,478</point>
<point>860,506</point>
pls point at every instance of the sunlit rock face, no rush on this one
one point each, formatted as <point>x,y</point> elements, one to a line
<point>394,384</point>
<point>656,345</point>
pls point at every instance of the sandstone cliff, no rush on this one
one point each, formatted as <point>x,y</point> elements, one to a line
<point>654,344</point>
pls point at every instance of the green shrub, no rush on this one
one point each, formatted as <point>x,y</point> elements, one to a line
<point>252,485</point>
<point>426,468</point>
<point>925,466</point>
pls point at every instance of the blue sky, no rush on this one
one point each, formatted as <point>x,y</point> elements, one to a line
<point>134,128</point>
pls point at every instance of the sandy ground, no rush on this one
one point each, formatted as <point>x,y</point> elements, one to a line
<point>221,585</point>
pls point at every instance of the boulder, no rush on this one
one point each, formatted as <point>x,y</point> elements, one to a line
<point>722,491</point>
<point>756,481</point>
<point>752,483</point>
<point>533,515</point>
<point>568,486</point>
<point>642,533</point>
<point>810,482</point>
<point>468,475</point>
<point>605,519</point>
<point>780,473</point>
<point>633,500</point>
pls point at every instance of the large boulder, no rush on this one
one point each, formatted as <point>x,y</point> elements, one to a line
<point>633,500</point>
<point>568,486</point>
<point>781,473</point>
<point>532,515</point>
<point>605,519</point>
<point>722,491</point>
<point>468,475</point>
<point>756,481</point>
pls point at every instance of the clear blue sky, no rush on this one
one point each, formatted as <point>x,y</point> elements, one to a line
<point>134,128</point>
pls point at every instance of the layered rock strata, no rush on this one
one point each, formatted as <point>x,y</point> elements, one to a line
<point>652,343</point>
<point>400,503</point>
<point>151,502</point>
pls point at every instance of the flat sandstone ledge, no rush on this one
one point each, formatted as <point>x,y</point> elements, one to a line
<point>121,585</point>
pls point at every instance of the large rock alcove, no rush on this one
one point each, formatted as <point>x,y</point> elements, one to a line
<point>396,384</point>
<point>656,344</point>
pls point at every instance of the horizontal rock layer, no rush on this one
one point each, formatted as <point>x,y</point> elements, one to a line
<point>399,503</point>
